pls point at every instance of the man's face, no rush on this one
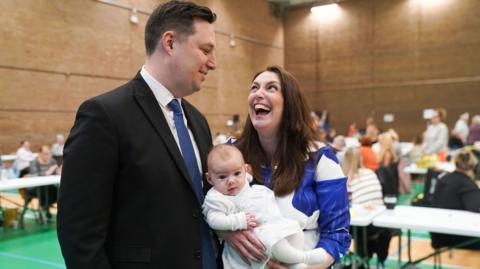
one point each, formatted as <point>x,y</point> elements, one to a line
<point>45,155</point>
<point>193,56</point>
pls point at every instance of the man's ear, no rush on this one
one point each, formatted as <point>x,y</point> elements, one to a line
<point>167,41</point>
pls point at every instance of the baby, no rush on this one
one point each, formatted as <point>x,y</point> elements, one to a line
<point>232,204</point>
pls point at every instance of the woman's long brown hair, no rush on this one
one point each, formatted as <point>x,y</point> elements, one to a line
<point>295,137</point>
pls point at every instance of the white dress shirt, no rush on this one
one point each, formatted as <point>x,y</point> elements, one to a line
<point>164,96</point>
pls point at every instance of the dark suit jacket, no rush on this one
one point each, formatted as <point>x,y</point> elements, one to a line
<point>126,199</point>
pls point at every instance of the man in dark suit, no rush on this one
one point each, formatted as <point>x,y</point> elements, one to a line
<point>131,190</point>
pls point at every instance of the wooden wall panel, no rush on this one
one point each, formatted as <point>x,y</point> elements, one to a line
<point>395,56</point>
<point>56,54</point>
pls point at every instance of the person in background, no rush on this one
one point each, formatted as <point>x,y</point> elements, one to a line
<point>369,158</point>
<point>363,184</point>
<point>220,138</point>
<point>339,146</point>
<point>57,148</point>
<point>279,143</point>
<point>352,130</point>
<point>474,132</point>
<point>461,129</point>
<point>45,165</point>
<point>365,193</point>
<point>23,158</point>
<point>332,133</point>
<point>417,151</point>
<point>386,154</point>
<point>132,184</point>
<point>436,135</point>
<point>457,190</point>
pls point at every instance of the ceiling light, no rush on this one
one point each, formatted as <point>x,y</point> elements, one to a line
<point>329,11</point>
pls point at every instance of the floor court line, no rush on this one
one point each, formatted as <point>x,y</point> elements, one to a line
<point>31,259</point>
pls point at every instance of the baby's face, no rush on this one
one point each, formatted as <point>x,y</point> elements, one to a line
<point>227,176</point>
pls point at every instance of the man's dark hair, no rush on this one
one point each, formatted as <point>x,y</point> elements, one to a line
<point>177,16</point>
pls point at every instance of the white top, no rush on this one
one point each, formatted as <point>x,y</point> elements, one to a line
<point>436,138</point>
<point>24,157</point>
<point>57,149</point>
<point>462,129</point>
<point>225,212</point>
<point>164,96</point>
<point>365,188</point>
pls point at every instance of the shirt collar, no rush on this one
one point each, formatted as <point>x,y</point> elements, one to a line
<point>161,93</point>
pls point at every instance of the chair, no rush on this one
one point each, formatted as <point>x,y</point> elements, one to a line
<point>28,194</point>
<point>431,182</point>
<point>388,177</point>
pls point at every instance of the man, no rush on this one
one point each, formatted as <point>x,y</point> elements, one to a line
<point>23,158</point>
<point>129,197</point>
<point>57,149</point>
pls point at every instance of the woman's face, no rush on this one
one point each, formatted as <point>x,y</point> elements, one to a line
<point>265,103</point>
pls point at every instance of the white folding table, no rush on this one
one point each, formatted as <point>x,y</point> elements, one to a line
<point>445,221</point>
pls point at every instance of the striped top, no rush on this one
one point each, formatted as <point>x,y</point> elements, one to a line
<point>365,188</point>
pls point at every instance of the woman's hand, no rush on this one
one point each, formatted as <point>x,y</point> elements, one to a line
<point>51,170</point>
<point>247,245</point>
<point>276,265</point>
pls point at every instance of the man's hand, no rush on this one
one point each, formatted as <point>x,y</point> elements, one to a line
<point>247,245</point>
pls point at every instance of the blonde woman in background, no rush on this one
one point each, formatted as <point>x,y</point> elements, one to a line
<point>386,154</point>
<point>365,190</point>
<point>363,184</point>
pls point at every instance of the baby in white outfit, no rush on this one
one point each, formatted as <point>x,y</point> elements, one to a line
<point>232,204</point>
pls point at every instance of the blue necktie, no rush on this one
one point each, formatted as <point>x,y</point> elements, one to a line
<point>208,257</point>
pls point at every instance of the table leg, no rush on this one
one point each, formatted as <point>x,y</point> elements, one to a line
<point>400,249</point>
<point>355,247</point>
<point>365,247</point>
<point>409,246</point>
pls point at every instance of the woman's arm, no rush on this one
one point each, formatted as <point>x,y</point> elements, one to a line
<point>332,199</point>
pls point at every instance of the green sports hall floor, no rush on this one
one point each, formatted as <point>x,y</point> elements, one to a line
<point>37,247</point>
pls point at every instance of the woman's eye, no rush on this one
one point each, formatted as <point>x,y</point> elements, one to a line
<point>272,88</point>
<point>254,88</point>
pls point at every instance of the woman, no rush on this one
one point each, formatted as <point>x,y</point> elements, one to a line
<point>369,158</point>
<point>474,133</point>
<point>457,190</point>
<point>436,135</point>
<point>279,143</point>
<point>363,184</point>
<point>45,165</point>
<point>365,191</point>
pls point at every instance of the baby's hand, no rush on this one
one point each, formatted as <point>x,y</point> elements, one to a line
<point>251,220</point>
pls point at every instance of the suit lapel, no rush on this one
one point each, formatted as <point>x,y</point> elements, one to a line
<point>147,102</point>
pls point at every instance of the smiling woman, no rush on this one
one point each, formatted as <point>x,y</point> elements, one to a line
<point>278,142</point>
